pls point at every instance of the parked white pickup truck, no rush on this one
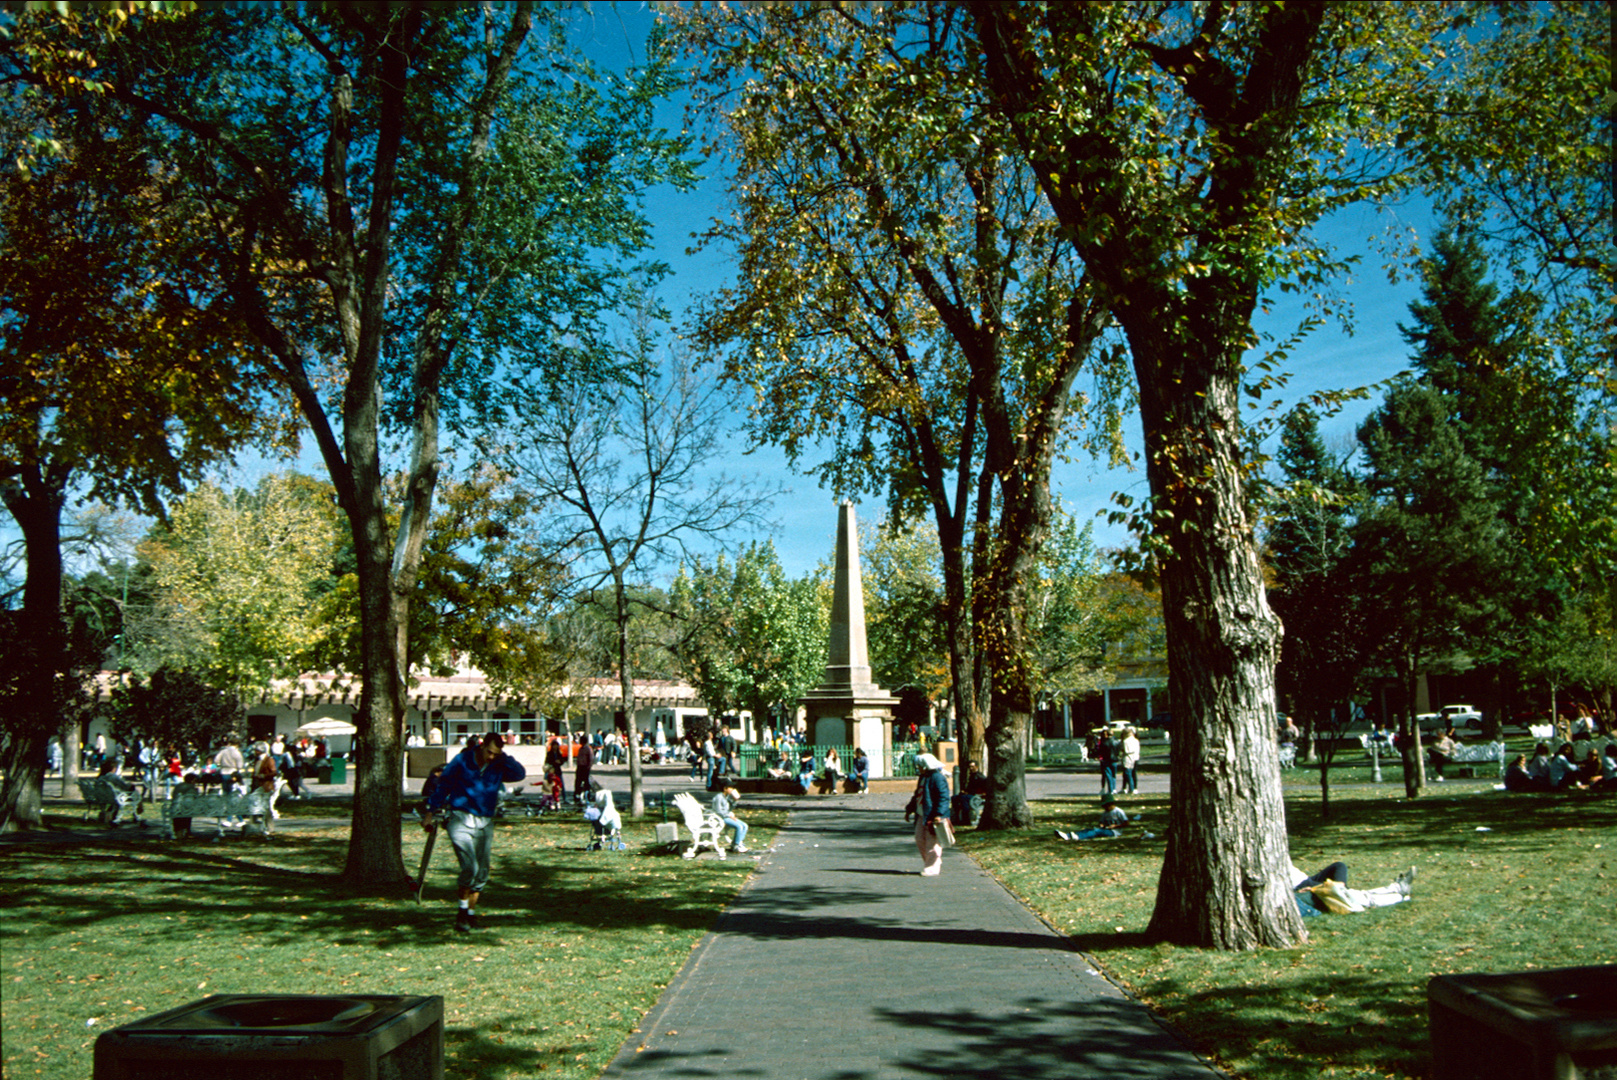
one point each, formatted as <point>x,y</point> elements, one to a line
<point>1460,716</point>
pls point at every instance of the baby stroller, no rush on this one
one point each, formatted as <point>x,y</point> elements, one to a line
<point>606,827</point>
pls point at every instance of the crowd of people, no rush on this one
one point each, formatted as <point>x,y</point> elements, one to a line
<point>1117,750</point>
<point>287,760</point>
<point>1563,770</point>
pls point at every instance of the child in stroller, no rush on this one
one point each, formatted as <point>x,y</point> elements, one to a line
<point>606,827</point>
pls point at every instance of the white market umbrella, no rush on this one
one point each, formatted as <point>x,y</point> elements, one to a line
<point>327,727</point>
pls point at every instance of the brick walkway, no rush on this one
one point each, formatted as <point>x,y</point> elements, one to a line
<point>838,961</point>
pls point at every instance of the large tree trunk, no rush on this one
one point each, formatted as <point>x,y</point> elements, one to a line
<point>23,759</point>
<point>637,793</point>
<point>38,647</point>
<point>375,853</point>
<point>1002,640</point>
<point>1225,874</point>
<point>72,736</point>
<point>1409,733</point>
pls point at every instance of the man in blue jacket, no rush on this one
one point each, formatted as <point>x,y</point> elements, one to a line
<point>470,787</point>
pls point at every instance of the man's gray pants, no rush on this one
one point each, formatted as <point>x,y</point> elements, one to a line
<point>472,837</point>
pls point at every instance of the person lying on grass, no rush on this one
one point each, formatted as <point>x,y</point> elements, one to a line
<point>1112,820</point>
<point>1328,892</point>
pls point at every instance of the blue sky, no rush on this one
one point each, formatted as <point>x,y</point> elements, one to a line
<point>1332,357</point>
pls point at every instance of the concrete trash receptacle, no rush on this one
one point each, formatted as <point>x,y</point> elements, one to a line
<point>1557,1024</point>
<point>278,1036</point>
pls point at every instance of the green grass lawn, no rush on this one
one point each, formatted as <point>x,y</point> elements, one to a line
<point>1533,891</point>
<point>579,945</point>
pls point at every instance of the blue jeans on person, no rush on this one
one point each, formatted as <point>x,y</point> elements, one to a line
<point>1131,782</point>
<point>1108,777</point>
<point>1095,834</point>
<point>1337,872</point>
<point>696,768</point>
<point>740,827</point>
<point>862,779</point>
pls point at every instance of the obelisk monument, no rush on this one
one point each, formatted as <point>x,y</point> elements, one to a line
<point>847,708</point>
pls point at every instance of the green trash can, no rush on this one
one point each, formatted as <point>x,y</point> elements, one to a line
<point>339,771</point>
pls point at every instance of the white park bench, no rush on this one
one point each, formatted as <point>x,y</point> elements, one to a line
<point>704,825</point>
<point>1468,757</point>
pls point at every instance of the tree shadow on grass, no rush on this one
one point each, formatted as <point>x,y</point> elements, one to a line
<point>779,922</point>
<point>55,889</point>
<point>1289,1028</point>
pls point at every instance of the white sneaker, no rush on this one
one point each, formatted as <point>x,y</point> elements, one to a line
<point>740,850</point>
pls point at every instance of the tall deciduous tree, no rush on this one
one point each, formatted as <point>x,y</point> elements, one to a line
<point>627,475</point>
<point>236,577</point>
<point>1187,150</point>
<point>750,638</point>
<point>904,295</point>
<point>410,203</point>
<point>1309,544</point>
<point>117,352</point>
<point>901,568</point>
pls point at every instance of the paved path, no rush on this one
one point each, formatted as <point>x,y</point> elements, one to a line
<point>839,961</point>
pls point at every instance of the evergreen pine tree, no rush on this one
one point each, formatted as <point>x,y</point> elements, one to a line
<point>1438,550</point>
<point>1308,542</point>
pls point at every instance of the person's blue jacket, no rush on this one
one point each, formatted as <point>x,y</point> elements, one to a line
<point>465,786</point>
<point>934,799</point>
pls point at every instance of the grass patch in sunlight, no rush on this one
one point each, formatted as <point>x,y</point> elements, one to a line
<point>578,946</point>
<point>1532,892</point>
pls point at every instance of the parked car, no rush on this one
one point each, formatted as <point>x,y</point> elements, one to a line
<point>1467,716</point>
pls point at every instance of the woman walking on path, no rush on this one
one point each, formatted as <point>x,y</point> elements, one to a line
<point>1131,761</point>
<point>931,808</point>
